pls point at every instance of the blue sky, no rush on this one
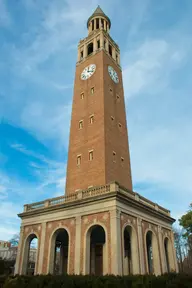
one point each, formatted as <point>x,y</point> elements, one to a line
<point>38,52</point>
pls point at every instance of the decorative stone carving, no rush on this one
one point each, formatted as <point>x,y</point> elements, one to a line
<point>85,220</point>
<point>49,226</point>
<point>39,227</point>
<point>105,217</point>
<point>26,229</point>
<point>72,222</point>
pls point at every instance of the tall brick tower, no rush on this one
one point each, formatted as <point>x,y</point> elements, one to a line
<point>98,146</point>
<point>100,226</point>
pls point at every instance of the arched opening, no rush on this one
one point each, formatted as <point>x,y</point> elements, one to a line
<point>127,251</point>
<point>96,251</point>
<point>153,256</point>
<point>149,252</point>
<point>90,48</point>
<point>130,252</point>
<point>59,252</point>
<point>29,266</point>
<point>166,255</point>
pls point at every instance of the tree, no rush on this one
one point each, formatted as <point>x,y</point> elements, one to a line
<point>14,240</point>
<point>186,222</point>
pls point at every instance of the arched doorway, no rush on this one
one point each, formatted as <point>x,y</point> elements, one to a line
<point>166,255</point>
<point>131,253</point>
<point>152,251</point>
<point>59,252</point>
<point>96,251</point>
<point>149,252</point>
<point>169,255</point>
<point>127,251</point>
<point>29,266</point>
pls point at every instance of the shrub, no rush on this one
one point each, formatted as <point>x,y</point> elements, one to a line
<point>110,281</point>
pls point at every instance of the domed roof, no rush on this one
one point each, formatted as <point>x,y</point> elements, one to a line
<point>99,12</point>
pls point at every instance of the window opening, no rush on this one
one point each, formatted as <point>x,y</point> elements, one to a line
<point>81,124</point>
<point>91,119</point>
<point>110,49</point>
<point>98,44</point>
<point>90,155</point>
<point>79,160</point>
<point>90,48</point>
<point>92,90</point>
<point>97,23</point>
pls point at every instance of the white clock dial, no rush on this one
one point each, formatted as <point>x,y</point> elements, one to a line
<point>113,74</point>
<point>88,71</point>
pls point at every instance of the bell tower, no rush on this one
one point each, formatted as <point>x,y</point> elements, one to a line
<point>98,146</point>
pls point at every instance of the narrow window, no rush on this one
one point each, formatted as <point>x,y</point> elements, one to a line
<point>116,57</point>
<point>92,25</point>
<point>92,90</point>
<point>90,48</point>
<point>105,44</point>
<point>120,125</point>
<point>81,55</point>
<point>110,49</point>
<point>82,95</point>
<point>90,155</point>
<point>81,124</point>
<point>97,23</point>
<point>111,90</point>
<point>122,160</point>
<point>114,156</point>
<point>79,160</point>
<point>118,98</point>
<point>91,119</point>
<point>102,23</point>
<point>112,118</point>
<point>98,44</point>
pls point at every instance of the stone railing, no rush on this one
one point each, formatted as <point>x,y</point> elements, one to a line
<point>96,191</point>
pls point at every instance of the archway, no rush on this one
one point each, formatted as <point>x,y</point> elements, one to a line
<point>152,251</point>
<point>29,266</point>
<point>149,252</point>
<point>169,256</point>
<point>166,255</point>
<point>131,255</point>
<point>59,252</point>
<point>96,251</point>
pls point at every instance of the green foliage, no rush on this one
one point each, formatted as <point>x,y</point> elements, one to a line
<point>71,281</point>
<point>186,221</point>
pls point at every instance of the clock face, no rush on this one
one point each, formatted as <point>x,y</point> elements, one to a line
<point>113,74</point>
<point>88,71</point>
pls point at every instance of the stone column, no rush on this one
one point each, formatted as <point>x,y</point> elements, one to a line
<point>100,24</point>
<point>116,251</point>
<point>85,51</point>
<point>20,248</point>
<point>94,44</point>
<point>95,24</point>
<point>102,40</point>
<point>77,245</point>
<point>107,45</point>
<point>105,25</point>
<point>42,248</point>
<point>162,251</point>
<point>79,55</point>
<point>140,242</point>
<point>113,53</point>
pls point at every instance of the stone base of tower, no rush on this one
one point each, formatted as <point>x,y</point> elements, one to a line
<point>102,230</point>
